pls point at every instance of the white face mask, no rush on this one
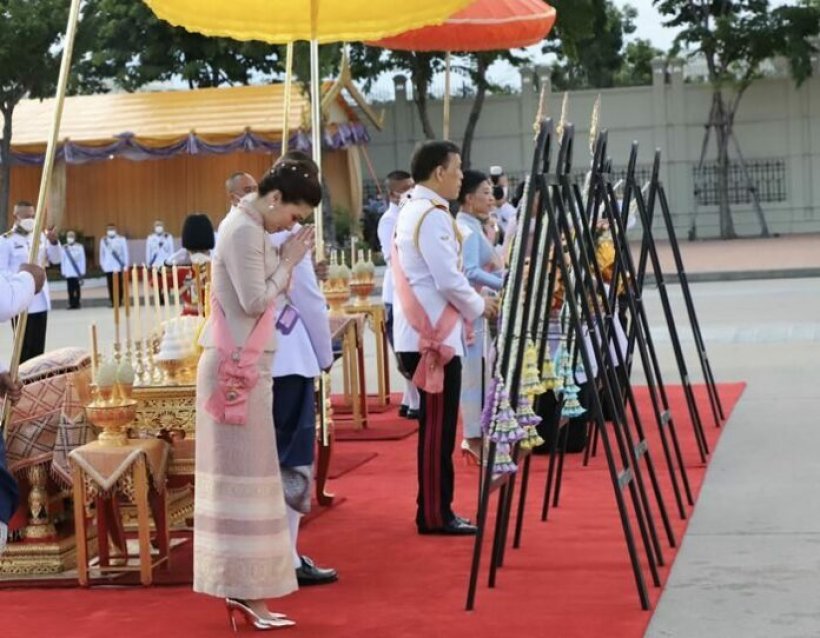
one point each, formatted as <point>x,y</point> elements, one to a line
<point>159,229</point>
<point>111,233</point>
<point>26,224</point>
<point>69,240</point>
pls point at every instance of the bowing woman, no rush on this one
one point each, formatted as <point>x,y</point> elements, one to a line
<point>242,549</point>
<point>482,267</point>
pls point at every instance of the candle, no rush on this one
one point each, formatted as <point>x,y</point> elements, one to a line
<point>135,290</point>
<point>196,289</point>
<point>155,277</point>
<point>126,304</point>
<point>116,280</point>
<point>94,352</point>
<point>146,290</point>
<point>175,273</point>
<point>352,252</point>
<point>165,293</point>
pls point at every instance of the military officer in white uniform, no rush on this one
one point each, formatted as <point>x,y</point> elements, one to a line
<point>113,259</point>
<point>432,300</point>
<point>73,267</point>
<point>17,291</point>
<point>14,251</point>
<point>399,184</point>
<point>303,350</point>
<point>159,246</point>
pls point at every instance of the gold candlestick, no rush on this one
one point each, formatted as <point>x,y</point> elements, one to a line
<point>95,351</point>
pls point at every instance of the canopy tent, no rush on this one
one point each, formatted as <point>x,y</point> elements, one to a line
<point>201,136</point>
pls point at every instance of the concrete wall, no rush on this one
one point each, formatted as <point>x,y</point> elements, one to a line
<point>777,123</point>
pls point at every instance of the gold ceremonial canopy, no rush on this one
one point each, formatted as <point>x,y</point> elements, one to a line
<point>282,21</point>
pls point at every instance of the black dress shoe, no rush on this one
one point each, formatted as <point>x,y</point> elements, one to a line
<point>412,414</point>
<point>309,574</point>
<point>403,410</point>
<point>457,527</point>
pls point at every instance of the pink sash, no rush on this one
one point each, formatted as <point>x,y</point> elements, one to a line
<point>237,373</point>
<point>429,375</point>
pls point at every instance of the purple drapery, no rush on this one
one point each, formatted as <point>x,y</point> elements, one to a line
<point>334,138</point>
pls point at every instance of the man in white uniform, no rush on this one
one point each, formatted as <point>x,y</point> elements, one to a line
<point>113,259</point>
<point>432,300</point>
<point>72,267</point>
<point>303,350</point>
<point>501,192</point>
<point>17,292</point>
<point>159,246</point>
<point>14,251</point>
<point>399,184</point>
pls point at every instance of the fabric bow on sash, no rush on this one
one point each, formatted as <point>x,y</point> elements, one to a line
<point>435,354</point>
<point>237,373</point>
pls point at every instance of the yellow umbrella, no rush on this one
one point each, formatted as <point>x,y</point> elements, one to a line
<point>319,21</point>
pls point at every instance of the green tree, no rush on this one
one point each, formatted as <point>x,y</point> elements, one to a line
<point>735,38</point>
<point>136,48</point>
<point>591,53</point>
<point>636,66</point>
<point>30,37</point>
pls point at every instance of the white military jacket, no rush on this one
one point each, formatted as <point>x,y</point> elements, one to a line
<point>14,251</point>
<point>111,250</point>
<point>387,226</point>
<point>77,253</point>
<point>307,349</point>
<point>429,253</point>
<point>158,249</point>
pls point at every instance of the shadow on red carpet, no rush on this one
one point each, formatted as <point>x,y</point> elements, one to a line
<point>571,578</point>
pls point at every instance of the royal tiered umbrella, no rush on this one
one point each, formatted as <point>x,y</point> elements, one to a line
<point>484,25</point>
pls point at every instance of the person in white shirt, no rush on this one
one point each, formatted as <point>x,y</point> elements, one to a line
<point>14,251</point>
<point>72,267</point>
<point>237,186</point>
<point>17,291</point>
<point>113,259</point>
<point>159,246</point>
<point>429,286</point>
<point>505,212</point>
<point>399,184</point>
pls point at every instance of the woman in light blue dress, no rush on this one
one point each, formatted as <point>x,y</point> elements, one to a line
<point>483,268</point>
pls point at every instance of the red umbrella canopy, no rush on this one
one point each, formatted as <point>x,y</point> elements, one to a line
<point>485,25</point>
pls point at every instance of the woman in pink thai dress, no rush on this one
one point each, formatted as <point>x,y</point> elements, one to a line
<point>242,549</point>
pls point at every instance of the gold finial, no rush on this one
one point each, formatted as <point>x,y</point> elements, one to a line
<point>564,110</point>
<point>593,125</point>
<point>542,110</point>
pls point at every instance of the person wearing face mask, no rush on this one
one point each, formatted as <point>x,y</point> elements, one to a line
<point>399,184</point>
<point>113,259</point>
<point>242,544</point>
<point>483,270</point>
<point>159,246</point>
<point>504,210</point>
<point>432,302</point>
<point>72,267</point>
<point>15,249</point>
<point>237,186</point>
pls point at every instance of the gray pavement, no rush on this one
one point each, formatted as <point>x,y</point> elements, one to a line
<point>749,565</point>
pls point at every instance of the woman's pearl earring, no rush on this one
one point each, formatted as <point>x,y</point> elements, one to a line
<point>272,207</point>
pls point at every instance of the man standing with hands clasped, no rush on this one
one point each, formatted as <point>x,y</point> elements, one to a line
<point>73,268</point>
<point>432,302</point>
<point>113,259</point>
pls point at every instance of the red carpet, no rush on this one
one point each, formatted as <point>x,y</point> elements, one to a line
<point>571,578</point>
<point>344,461</point>
<point>385,425</point>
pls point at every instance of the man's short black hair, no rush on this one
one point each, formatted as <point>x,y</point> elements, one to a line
<point>398,176</point>
<point>429,157</point>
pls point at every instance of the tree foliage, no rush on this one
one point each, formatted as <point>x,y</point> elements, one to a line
<point>736,38</point>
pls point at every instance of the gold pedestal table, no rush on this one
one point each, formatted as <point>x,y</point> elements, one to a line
<point>374,313</point>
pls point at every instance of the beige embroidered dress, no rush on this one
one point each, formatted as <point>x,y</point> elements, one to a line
<point>241,537</point>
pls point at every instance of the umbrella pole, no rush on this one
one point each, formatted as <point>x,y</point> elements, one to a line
<point>288,83</point>
<point>45,183</point>
<point>316,138</point>
<point>446,130</point>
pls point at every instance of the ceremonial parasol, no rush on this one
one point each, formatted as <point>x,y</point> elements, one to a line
<point>485,25</point>
<point>285,21</point>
